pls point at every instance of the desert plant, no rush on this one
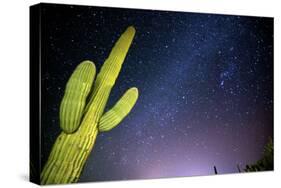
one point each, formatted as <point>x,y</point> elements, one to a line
<point>80,120</point>
<point>266,162</point>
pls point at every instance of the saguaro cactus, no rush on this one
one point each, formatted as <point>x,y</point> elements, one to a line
<point>80,123</point>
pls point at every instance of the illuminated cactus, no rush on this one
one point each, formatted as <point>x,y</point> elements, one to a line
<point>81,124</point>
<point>76,92</point>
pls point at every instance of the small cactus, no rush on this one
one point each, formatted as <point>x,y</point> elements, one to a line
<point>81,122</point>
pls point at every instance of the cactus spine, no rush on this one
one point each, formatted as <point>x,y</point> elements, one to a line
<point>74,144</point>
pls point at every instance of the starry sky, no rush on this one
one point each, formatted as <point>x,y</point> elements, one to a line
<point>205,83</point>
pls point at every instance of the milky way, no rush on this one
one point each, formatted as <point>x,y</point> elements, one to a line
<point>205,83</point>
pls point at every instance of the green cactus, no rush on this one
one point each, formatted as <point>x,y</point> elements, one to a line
<point>80,122</point>
<point>76,92</point>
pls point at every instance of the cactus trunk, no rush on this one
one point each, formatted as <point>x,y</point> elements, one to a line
<point>69,155</point>
<point>74,144</point>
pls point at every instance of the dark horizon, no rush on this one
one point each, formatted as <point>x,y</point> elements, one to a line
<point>205,89</point>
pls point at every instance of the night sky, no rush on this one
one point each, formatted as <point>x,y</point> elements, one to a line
<point>205,84</point>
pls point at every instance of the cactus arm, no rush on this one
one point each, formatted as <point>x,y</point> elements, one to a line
<point>74,99</point>
<point>112,65</point>
<point>121,109</point>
